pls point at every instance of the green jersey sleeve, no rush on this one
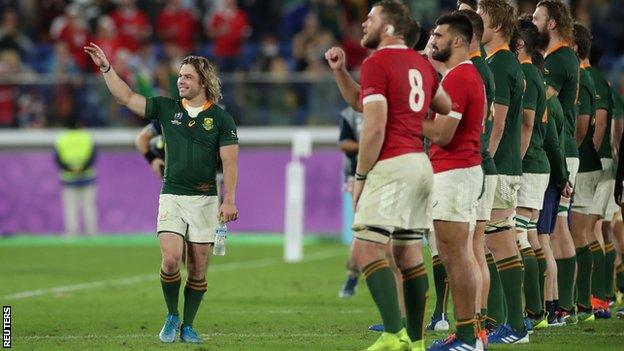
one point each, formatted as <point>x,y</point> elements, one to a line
<point>529,101</point>
<point>227,133</point>
<point>502,94</point>
<point>585,100</point>
<point>555,74</point>
<point>603,92</point>
<point>618,104</point>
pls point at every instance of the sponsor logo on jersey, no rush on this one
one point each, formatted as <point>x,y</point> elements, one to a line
<point>177,118</point>
<point>208,123</point>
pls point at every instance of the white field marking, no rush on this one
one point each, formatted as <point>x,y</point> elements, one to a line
<point>233,266</point>
<point>209,335</point>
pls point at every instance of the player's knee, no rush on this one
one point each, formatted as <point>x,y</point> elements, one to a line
<point>171,262</point>
<point>499,225</point>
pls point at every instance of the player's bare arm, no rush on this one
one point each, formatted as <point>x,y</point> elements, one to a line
<point>528,119</point>
<point>349,146</point>
<point>550,92</point>
<point>349,88</point>
<point>616,136</point>
<point>582,124</point>
<point>118,88</point>
<point>229,157</point>
<point>441,129</point>
<point>441,102</point>
<point>498,126</point>
<point>141,141</point>
<point>371,140</point>
<point>601,127</point>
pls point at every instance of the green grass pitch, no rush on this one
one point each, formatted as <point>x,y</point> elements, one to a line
<point>104,294</point>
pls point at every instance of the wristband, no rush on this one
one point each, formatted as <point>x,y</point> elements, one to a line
<point>107,70</point>
<point>150,156</point>
<point>360,177</point>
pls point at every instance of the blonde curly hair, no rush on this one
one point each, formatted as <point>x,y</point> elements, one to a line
<point>207,76</point>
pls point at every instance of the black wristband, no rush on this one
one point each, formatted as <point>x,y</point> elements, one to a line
<point>150,156</point>
<point>108,69</point>
<point>360,177</point>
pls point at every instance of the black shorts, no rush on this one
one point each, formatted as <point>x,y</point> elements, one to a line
<point>548,214</point>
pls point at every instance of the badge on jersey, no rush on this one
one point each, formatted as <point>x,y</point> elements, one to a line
<point>177,118</point>
<point>208,123</point>
<point>191,123</point>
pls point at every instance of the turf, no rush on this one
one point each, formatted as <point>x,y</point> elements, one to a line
<point>104,294</point>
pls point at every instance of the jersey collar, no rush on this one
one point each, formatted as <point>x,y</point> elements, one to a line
<point>204,107</point>
<point>526,61</point>
<point>474,54</point>
<point>585,65</point>
<point>559,45</point>
<point>397,46</point>
<point>503,47</point>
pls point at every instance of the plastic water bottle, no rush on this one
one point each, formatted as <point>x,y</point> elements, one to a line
<point>219,240</point>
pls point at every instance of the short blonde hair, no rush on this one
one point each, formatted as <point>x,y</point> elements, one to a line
<point>502,15</point>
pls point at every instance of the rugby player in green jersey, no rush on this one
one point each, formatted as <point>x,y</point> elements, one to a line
<point>195,129</point>
<point>587,178</point>
<point>553,19</point>
<point>603,205</point>
<point>499,22</point>
<point>535,168</point>
<point>485,261</point>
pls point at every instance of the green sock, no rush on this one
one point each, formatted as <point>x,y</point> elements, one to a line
<point>171,290</point>
<point>598,271</point>
<point>193,293</point>
<point>382,287</point>
<point>496,297</point>
<point>531,283</point>
<point>511,275</point>
<point>482,318</point>
<point>542,266</point>
<point>583,279</point>
<point>565,282</point>
<point>609,262</point>
<point>466,330</point>
<point>441,286</point>
<point>619,277</point>
<point>415,286</point>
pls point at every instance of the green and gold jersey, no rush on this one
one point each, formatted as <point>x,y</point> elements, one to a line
<point>535,160</point>
<point>509,82</point>
<point>618,104</point>
<point>604,102</point>
<point>589,159</point>
<point>191,144</point>
<point>553,143</point>
<point>489,168</point>
<point>562,74</point>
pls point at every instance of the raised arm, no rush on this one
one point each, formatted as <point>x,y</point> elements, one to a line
<point>349,88</point>
<point>118,88</point>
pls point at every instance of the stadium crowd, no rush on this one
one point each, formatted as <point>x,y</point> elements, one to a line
<point>42,41</point>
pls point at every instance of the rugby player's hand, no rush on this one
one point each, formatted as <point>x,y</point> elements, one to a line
<point>336,58</point>
<point>358,185</point>
<point>98,56</point>
<point>158,166</point>
<point>228,212</point>
<point>567,191</point>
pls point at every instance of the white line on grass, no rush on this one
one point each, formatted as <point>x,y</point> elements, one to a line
<point>209,335</point>
<point>148,277</point>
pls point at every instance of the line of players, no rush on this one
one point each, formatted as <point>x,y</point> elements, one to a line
<point>502,185</point>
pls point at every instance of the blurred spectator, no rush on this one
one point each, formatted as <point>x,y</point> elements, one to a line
<point>132,25</point>
<point>11,36</point>
<point>8,92</point>
<point>75,154</point>
<point>47,12</point>
<point>269,52</point>
<point>305,37</point>
<point>351,45</point>
<point>264,16</point>
<point>331,16</point>
<point>228,27</point>
<point>106,37</point>
<point>177,25</point>
<point>31,109</point>
<point>167,71</point>
<point>71,28</point>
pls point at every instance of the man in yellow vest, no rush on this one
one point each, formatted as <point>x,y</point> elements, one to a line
<point>75,155</point>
